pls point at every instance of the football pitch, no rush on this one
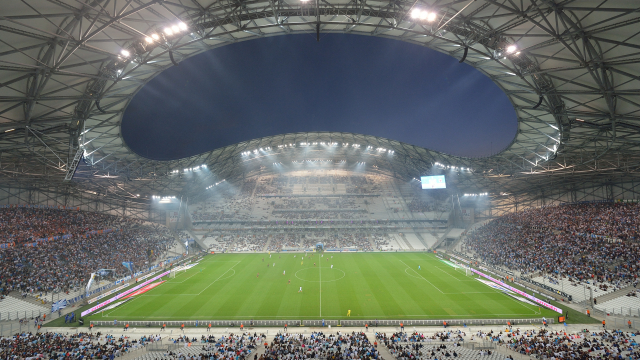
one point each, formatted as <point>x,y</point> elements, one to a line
<point>322,286</point>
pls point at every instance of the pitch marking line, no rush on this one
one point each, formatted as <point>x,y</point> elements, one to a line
<point>455,293</point>
<point>181,294</point>
<point>320,272</point>
<point>526,306</point>
<point>116,308</point>
<point>180,282</point>
<point>219,277</point>
<point>452,274</point>
<point>437,316</point>
<point>422,277</point>
<point>446,272</point>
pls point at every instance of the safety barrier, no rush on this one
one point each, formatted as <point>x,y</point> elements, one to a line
<point>318,323</point>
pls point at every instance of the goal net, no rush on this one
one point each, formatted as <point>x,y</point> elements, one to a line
<point>176,271</point>
<point>465,270</point>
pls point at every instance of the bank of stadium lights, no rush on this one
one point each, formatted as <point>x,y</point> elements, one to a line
<point>480,194</point>
<point>512,49</point>
<point>156,197</point>
<point>442,166</point>
<point>195,168</point>
<point>382,150</point>
<point>153,37</point>
<point>423,15</point>
<point>216,184</point>
<point>255,151</point>
<point>286,146</point>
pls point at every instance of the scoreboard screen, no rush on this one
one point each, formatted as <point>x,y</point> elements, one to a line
<point>433,182</point>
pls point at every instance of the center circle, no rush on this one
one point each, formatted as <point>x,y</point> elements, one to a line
<point>315,274</point>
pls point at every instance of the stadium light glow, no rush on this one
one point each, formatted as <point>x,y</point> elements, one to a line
<point>175,28</point>
<point>182,26</point>
<point>155,36</point>
<point>148,39</point>
<point>480,194</point>
<point>168,31</point>
<point>216,184</point>
<point>125,53</point>
<point>423,15</point>
<point>511,49</point>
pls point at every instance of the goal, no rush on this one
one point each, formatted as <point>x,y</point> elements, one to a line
<point>176,271</point>
<point>465,270</point>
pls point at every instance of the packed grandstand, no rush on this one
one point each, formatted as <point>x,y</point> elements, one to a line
<point>569,248</point>
<point>56,250</point>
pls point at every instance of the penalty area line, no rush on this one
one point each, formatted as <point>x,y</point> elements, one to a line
<point>408,267</point>
<point>223,274</point>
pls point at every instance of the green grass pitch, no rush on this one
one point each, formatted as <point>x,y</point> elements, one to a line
<point>371,285</point>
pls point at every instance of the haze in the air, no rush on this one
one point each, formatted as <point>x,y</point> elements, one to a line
<point>347,83</point>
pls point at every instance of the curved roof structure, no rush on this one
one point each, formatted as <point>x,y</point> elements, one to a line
<point>68,69</point>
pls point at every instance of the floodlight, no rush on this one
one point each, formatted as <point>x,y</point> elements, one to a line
<point>148,39</point>
<point>511,48</point>
<point>431,17</point>
<point>168,31</point>
<point>415,13</point>
<point>175,28</point>
<point>125,53</point>
<point>182,26</point>
<point>155,36</point>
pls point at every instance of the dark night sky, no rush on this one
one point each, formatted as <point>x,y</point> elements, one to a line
<point>292,83</point>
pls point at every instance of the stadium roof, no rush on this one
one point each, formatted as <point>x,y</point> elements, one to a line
<point>68,69</point>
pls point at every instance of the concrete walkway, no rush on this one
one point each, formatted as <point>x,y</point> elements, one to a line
<point>172,333</point>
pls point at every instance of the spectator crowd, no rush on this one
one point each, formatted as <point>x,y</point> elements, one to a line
<point>585,242</point>
<point>338,346</point>
<point>67,262</point>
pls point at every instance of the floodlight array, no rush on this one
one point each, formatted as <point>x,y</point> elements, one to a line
<point>216,184</point>
<point>195,168</point>
<point>480,194</point>
<point>154,37</point>
<point>443,166</point>
<point>316,143</point>
<point>423,15</point>
<point>255,151</point>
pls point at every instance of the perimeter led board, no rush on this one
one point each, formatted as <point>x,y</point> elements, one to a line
<point>433,182</point>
